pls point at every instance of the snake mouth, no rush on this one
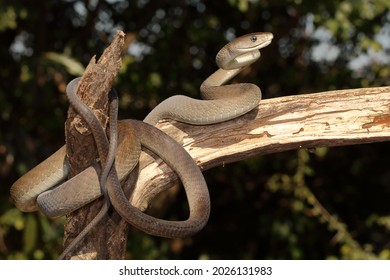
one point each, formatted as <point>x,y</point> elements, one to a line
<point>263,42</point>
<point>266,43</point>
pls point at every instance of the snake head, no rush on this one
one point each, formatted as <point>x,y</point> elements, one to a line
<point>243,50</point>
<point>252,41</point>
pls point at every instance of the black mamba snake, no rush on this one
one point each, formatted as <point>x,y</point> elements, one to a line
<point>221,103</point>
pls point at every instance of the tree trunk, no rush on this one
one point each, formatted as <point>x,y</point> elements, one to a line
<point>105,241</point>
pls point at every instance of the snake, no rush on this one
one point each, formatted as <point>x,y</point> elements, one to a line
<point>164,146</point>
<point>40,189</point>
<point>106,150</point>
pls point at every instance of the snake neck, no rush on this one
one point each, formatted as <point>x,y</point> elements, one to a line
<point>220,77</point>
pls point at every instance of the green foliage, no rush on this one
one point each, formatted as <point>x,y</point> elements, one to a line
<point>279,206</point>
<point>305,202</point>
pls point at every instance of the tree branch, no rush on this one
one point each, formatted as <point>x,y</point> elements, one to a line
<point>333,118</point>
<point>327,119</point>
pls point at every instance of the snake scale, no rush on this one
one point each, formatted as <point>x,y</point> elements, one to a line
<point>43,189</point>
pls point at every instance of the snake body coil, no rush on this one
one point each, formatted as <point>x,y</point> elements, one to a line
<point>222,102</point>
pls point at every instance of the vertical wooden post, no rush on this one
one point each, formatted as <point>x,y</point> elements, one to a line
<point>108,239</point>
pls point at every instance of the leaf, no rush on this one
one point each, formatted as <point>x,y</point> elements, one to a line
<point>30,234</point>
<point>72,66</point>
<point>8,19</point>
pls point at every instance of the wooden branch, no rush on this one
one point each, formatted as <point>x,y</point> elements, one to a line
<point>327,119</point>
<point>103,241</point>
<point>331,118</point>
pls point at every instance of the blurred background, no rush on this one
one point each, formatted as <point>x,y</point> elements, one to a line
<point>325,203</point>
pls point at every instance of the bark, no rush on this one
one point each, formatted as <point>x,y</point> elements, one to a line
<point>105,241</point>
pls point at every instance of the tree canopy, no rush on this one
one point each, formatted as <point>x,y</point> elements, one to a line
<point>304,204</point>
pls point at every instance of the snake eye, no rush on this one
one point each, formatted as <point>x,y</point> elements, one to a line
<point>253,38</point>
